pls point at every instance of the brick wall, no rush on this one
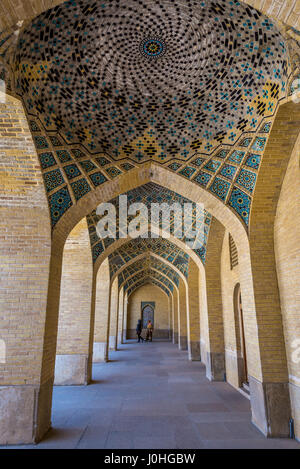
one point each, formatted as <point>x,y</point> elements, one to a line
<point>287,250</point>
<point>24,249</point>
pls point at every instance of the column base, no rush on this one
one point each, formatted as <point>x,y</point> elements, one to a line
<point>120,338</point>
<point>183,345</point>
<point>25,413</point>
<point>99,352</point>
<point>215,366</point>
<point>124,337</point>
<point>271,408</point>
<point>295,400</point>
<point>112,344</point>
<point>175,338</point>
<point>194,351</point>
<point>71,370</point>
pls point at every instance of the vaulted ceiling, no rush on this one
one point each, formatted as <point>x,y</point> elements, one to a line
<point>151,79</point>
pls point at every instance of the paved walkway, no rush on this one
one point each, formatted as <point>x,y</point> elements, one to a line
<point>151,396</point>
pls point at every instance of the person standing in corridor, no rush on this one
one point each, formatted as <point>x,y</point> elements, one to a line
<point>139,330</point>
<point>149,331</point>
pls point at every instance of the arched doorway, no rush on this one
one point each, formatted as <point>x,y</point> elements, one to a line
<point>241,341</point>
<point>147,313</point>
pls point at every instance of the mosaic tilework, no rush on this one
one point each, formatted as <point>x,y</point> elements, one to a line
<point>253,161</point>
<point>77,153</point>
<point>220,188</point>
<point>72,171</point>
<point>162,247</point>
<point>198,161</point>
<point>97,178</point>
<point>147,281</point>
<point>212,166</point>
<point>247,179</point>
<point>59,202</point>
<point>127,166</point>
<point>241,203</point>
<point>187,172</point>
<point>102,161</point>
<point>245,142</point>
<point>87,165</point>
<point>53,179</point>
<point>222,154</point>
<point>174,166</point>
<point>144,267</point>
<point>41,142</point>
<point>33,126</point>
<point>237,156</point>
<point>266,127</point>
<point>202,178</point>
<point>80,188</point>
<point>55,141</point>
<point>147,103</point>
<point>47,160</point>
<point>147,276</point>
<point>259,144</point>
<point>64,156</point>
<point>113,171</point>
<point>228,171</point>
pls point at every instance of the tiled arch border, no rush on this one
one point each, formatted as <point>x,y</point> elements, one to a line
<point>144,256</point>
<point>141,283</point>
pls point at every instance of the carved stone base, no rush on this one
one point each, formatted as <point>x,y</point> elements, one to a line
<point>183,345</point>
<point>215,366</point>
<point>99,352</point>
<point>71,370</point>
<point>112,344</point>
<point>194,351</point>
<point>270,406</point>
<point>25,413</point>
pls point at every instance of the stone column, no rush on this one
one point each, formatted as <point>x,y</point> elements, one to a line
<point>102,281</point>
<point>194,311</point>
<point>125,318</point>
<point>176,314</point>
<point>265,342</point>
<point>25,249</point>
<point>120,316</point>
<point>215,349</point>
<point>182,317</point>
<point>113,323</point>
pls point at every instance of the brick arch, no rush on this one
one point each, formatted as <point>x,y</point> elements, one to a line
<point>149,172</point>
<point>272,377</point>
<point>143,256</point>
<point>162,287</point>
<point>287,253</point>
<point>122,241</point>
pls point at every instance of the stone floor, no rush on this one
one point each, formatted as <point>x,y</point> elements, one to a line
<point>150,396</point>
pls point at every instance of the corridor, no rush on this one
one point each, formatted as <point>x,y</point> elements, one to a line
<point>150,396</point>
